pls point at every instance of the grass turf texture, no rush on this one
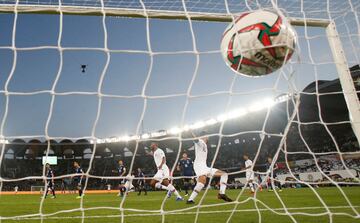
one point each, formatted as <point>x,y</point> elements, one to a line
<point>297,200</point>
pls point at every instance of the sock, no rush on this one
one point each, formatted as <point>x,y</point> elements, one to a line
<point>199,186</point>
<point>80,192</point>
<point>172,188</point>
<point>256,185</point>
<point>223,182</point>
<point>158,185</point>
<point>251,185</point>
<point>53,192</point>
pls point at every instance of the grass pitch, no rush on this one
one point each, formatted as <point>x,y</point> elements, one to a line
<point>101,208</point>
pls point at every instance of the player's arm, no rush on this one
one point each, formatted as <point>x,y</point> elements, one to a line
<point>52,177</point>
<point>124,172</point>
<point>82,175</point>
<point>162,163</point>
<point>249,167</point>
<point>178,167</point>
<point>195,140</point>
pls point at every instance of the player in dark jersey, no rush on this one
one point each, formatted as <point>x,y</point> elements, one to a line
<point>78,179</point>
<point>273,169</point>
<point>185,166</point>
<point>49,181</point>
<point>121,171</point>
<point>141,181</point>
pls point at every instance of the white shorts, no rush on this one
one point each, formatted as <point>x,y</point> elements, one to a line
<point>162,174</point>
<point>201,170</point>
<point>128,185</point>
<point>249,176</point>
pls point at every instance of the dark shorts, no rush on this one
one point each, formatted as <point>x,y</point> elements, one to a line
<point>78,183</point>
<point>122,181</point>
<point>50,184</point>
<point>188,178</point>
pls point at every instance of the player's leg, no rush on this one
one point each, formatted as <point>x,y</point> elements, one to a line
<point>278,184</point>
<point>156,183</point>
<point>256,184</point>
<point>46,189</point>
<point>80,189</point>
<point>139,187</point>
<point>201,181</point>
<point>171,189</point>
<point>250,180</point>
<point>223,179</point>
<point>251,185</point>
<point>121,188</point>
<point>268,184</point>
<point>52,188</point>
<point>223,183</point>
<point>186,182</point>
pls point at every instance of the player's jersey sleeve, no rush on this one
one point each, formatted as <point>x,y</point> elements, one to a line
<point>162,154</point>
<point>248,163</point>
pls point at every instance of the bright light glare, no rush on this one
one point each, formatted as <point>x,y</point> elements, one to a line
<point>174,130</point>
<point>145,136</point>
<point>186,128</point>
<point>268,102</point>
<point>210,122</point>
<point>125,138</point>
<point>256,106</point>
<point>236,113</point>
<point>222,117</point>
<point>158,134</point>
<point>197,125</point>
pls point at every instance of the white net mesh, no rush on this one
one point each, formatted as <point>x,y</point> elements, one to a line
<point>97,89</point>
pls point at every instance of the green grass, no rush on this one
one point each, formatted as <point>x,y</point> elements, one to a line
<point>299,201</point>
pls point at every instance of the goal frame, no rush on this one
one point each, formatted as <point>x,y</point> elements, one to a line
<point>346,81</point>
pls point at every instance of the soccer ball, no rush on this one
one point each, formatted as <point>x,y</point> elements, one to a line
<point>257,43</point>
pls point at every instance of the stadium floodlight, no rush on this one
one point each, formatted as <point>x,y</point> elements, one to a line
<point>136,137</point>
<point>175,130</point>
<point>158,134</point>
<point>4,141</point>
<point>257,106</point>
<point>145,136</point>
<point>99,141</point>
<point>111,140</point>
<point>197,125</point>
<point>125,138</point>
<point>222,117</point>
<point>211,121</point>
<point>268,102</point>
<point>236,113</point>
<point>186,128</point>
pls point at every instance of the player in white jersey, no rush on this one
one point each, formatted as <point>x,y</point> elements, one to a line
<point>161,178</point>
<point>249,173</point>
<point>202,171</point>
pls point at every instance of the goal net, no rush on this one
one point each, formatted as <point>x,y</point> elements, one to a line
<point>97,81</point>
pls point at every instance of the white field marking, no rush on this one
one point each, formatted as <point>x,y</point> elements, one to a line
<point>193,212</point>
